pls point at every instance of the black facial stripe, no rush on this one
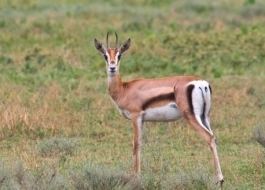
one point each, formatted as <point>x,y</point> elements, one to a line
<point>119,56</point>
<point>105,57</point>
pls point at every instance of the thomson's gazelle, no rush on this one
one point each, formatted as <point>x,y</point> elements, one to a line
<point>160,99</point>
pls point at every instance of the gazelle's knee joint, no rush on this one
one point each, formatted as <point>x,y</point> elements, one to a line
<point>212,142</point>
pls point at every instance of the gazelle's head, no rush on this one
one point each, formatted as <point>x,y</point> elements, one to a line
<point>112,55</point>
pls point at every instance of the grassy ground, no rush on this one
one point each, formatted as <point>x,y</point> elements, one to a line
<point>58,127</point>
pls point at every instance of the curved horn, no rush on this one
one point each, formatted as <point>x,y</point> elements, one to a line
<point>107,40</point>
<point>116,45</point>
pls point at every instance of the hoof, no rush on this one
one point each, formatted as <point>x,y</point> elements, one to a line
<point>221,182</point>
<point>135,174</point>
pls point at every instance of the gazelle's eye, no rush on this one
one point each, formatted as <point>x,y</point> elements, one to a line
<point>106,57</point>
<point>119,56</point>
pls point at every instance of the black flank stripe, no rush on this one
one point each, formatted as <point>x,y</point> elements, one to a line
<point>169,96</point>
<point>189,95</point>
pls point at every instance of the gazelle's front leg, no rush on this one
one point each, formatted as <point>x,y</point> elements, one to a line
<point>137,120</point>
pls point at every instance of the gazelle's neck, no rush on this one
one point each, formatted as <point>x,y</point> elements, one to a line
<point>115,86</point>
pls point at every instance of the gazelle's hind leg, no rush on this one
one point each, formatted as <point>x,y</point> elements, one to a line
<point>210,139</point>
<point>194,101</point>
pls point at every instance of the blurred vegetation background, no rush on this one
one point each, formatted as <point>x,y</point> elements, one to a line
<point>58,127</point>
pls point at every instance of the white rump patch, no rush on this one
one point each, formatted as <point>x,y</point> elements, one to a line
<point>201,102</point>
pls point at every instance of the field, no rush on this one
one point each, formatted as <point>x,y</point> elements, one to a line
<point>59,128</point>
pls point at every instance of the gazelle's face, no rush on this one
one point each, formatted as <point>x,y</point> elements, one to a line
<point>112,56</point>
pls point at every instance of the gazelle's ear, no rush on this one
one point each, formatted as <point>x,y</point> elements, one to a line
<point>125,46</point>
<point>99,46</point>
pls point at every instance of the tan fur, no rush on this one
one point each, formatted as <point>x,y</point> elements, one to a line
<point>112,53</point>
<point>132,95</point>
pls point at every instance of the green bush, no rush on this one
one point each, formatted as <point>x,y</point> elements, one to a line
<point>17,177</point>
<point>56,146</point>
<point>259,135</point>
<point>98,178</point>
<point>183,180</point>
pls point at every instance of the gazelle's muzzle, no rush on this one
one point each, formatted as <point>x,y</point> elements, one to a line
<point>112,69</point>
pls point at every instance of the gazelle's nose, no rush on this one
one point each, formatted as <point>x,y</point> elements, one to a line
<point>112,69</point>
<point>112,62</point>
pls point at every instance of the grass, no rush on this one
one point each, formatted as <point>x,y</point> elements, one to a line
<point>57,119</point>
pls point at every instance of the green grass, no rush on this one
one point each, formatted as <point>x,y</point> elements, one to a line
<point>56,117</point>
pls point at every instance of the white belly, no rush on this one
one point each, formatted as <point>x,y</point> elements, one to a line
<point>169,112</point>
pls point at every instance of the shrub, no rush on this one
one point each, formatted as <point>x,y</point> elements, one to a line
<point>197,179</point>
<point>57,146</point>
<point>259,135</point>
<point>13,178</point>
<point>97,178</point>
<point>183,180</point>
<point>17,177</point>
<point>47,178</point>
<point>93,177</point>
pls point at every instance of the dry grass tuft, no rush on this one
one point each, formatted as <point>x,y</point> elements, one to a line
<point>43,111</point>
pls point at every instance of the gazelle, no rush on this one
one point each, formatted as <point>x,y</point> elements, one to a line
<point>161,99</point>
